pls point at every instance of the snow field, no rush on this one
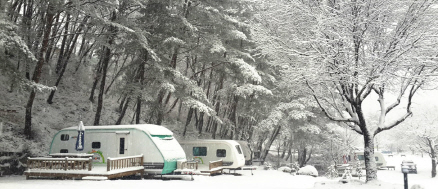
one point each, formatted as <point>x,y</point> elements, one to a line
<point>262,179</point>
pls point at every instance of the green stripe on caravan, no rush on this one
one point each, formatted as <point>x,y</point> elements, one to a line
<point>162,136</point>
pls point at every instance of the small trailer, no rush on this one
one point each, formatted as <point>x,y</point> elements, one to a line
<point>206,151</point>
<point>160,149</point>
<point>380,160</point>
<point>247,153</point>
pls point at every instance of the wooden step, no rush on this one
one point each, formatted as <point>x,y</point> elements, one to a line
<point>94,178</point>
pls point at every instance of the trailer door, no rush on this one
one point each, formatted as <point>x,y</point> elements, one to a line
<point>123,143</point>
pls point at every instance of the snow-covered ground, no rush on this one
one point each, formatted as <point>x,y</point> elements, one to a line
<point>262,179</point>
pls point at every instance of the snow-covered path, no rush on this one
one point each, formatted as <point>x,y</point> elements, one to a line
<point>262,179</point>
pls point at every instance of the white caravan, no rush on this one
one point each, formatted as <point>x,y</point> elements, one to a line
<point>160,149</point>
<point>246,151</point>
<point>204,151</point>
<point>380,160</point>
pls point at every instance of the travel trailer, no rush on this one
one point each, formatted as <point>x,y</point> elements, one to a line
<point>204,151</point>
<point>380,160</point>
<point>246,151</point>
<point>160,149</point>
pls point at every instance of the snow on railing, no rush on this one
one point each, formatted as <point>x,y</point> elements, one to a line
<point>60,163</point>
<point>189,165</point>
<point>124,162</point>
<point>215,164</point>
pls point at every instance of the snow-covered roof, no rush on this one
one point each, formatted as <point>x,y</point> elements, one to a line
<point>148,128</point>
<point>209,141</point>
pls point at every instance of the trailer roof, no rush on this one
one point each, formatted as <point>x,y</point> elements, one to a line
<point>148,128</point>
<point>208,141</point>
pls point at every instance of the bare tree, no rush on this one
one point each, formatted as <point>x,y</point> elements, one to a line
<point>348,52</point>
<point>38,68</point>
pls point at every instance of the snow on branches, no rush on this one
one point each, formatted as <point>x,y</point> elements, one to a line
<point>248,90</point>
<point>294,110</point>
<point>190,86</point>
<point>217,46</point>
<point>201,107</point>
<point>173,41</point>
<point>10,40</point>
<point>38,86</point>
<point>168,87</point>
<point>234,34</point>
<point>248,71</point>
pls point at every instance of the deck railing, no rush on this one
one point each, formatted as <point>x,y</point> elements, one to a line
<point>215,167</point>
<point>215,164</point>
<point>124,162</point>
<point>60,163</point>
<point>189,165</point>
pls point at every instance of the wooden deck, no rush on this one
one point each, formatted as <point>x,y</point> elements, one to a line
<point>214,168</point>
<point>83,167</point>
<point>193,168</point>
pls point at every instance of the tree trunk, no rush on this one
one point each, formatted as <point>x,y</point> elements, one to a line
<point>431,143</point>
<point>37,72</point>
<point>27,24</point>
<point>122,113</point>
<point>302,153</point>
<point>370,161</point>
<point>141,71</point>
<point>189,119</point>
<point>138,110</point>
<point>233,117</point>
<point>270,141</point>
<point>217,105</point>
<point>61,50</point>
<point>105,62</point>
<point>122,103</point>
<point>66,59</point>
<point>434,167</point>
<point>96,80</point>
<point>289,154</point>
<point>52,41</point>
<point>201,122</point>
<point>160,109</point>
<point>116,75</point>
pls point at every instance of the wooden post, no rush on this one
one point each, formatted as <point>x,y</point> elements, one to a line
<point>141,163</point>
<point>141,160</point>
<point>89,163</point>
<point>108,164</point>
<point>28,163</point>
<point>66,164</point>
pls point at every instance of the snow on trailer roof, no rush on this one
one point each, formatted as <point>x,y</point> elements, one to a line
<point>148,128</point>
<point>208,141</point>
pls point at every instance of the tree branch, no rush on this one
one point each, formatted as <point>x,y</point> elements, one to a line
<point>346,120</point>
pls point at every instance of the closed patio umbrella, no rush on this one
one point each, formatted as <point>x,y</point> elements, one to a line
<point>80,138</point>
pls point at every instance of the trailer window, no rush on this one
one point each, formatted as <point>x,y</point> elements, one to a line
<point>199,151</point>
<point>65,137</point>
<point>360,157</point>
<point>221,153</point>
<point>238,149</point>
<point>63,151</point>
<point>95,145</point>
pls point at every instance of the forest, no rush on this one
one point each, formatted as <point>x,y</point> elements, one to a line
<point>308,80</point>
